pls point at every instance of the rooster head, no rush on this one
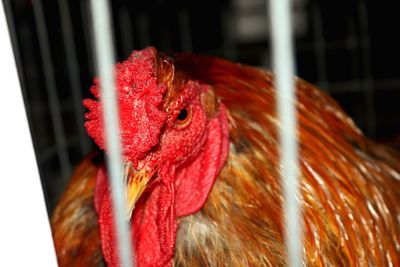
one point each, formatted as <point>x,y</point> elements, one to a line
<point>174,136</point>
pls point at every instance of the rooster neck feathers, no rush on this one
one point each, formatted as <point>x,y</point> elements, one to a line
<point>349,192</point>
<point>349,184</point>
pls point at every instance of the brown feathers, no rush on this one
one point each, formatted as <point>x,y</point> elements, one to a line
<point>74,221</point>
<point>350,191</point>
<point>350,186</point>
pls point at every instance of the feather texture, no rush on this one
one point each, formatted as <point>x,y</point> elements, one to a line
<point>350,185</point>
<point>74,220</point>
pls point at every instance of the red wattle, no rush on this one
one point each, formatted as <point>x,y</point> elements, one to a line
<point>101,188</point>
<point>175,194</point>
<point>154,228</point>
<point>154,225</point>
<point>194,182</point>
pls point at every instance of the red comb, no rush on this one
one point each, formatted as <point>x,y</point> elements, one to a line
<point>139,99</point>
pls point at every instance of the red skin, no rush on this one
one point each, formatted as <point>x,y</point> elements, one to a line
<point>190,157</point>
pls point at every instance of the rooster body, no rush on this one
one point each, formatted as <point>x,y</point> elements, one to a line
<point>350,186</point>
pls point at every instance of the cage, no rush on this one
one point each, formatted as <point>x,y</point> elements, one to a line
<point>347,48</point>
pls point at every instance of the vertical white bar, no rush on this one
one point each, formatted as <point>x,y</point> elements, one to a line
<point>24,226</point>
<point>282,47</point>
<point>104,51</point>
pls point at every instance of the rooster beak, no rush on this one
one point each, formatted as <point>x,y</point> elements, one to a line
<point>136,183</point>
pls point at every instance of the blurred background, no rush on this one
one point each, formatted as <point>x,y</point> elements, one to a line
<point>347,48</point>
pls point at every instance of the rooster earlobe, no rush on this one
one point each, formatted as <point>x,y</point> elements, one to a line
<point>210,102</point>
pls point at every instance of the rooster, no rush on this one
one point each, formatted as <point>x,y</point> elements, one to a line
<point>201,150</point>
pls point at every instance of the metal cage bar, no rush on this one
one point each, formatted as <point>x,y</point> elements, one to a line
<point>104,56</point>
<point>73,72</point>
<point>283,62</point>
<point>54,103</point>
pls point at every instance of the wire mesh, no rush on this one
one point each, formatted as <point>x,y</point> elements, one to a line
<point>335,44</point>
<point>346,47</point>
<point>54,99</point>
<point>21,194</point>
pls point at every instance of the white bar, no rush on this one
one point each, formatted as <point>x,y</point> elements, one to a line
<point>25,236</point>
<point>104,48</point>
<point>282,47</point>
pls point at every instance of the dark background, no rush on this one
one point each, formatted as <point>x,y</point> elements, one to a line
<point>347,48</point>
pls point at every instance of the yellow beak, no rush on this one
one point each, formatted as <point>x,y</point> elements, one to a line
<point>136,182</point>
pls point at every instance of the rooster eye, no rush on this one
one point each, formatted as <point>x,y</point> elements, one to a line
<point>184,116</point>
